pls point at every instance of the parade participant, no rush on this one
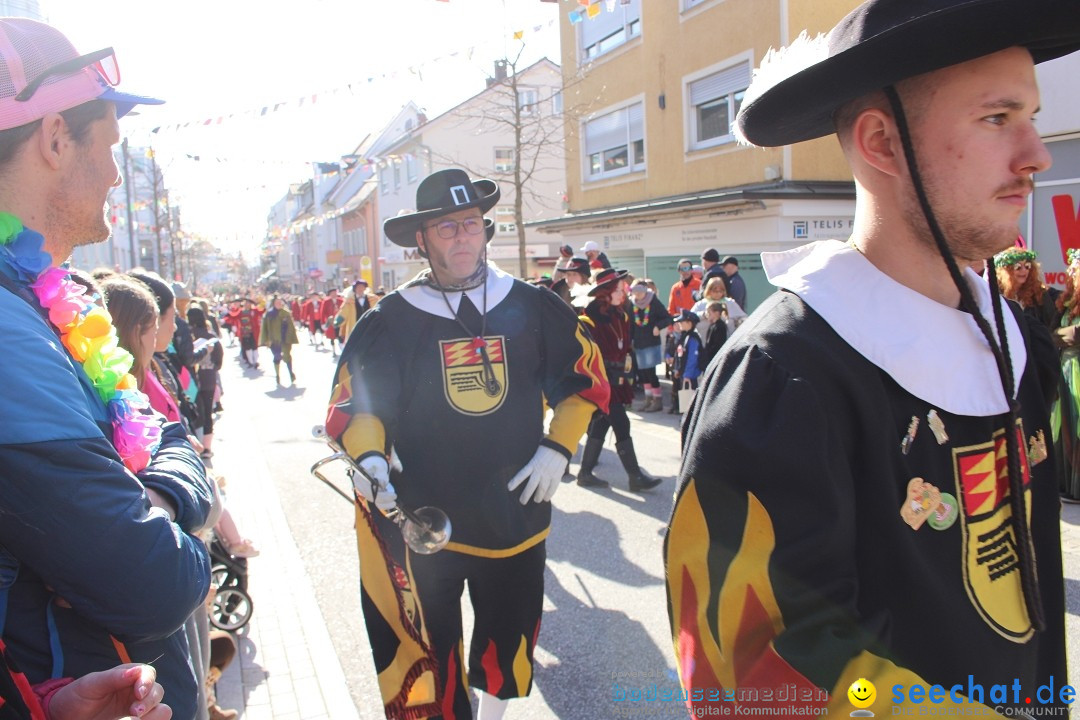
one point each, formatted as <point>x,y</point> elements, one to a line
<point>279,334</point>
<point>358,300</point>
<point>328,311</point>
<point>863,457</point>
<point>100,501</point>
<point>1021,279</point>
<point>248,322</point>
<point>311,316</point>
<point>650,317</point>
<point>576,274</point>
<point>451,371</point>
<point>610,329</point>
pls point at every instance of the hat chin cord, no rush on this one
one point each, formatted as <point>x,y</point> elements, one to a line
<point>1029,581</point>
<point>491,383</point>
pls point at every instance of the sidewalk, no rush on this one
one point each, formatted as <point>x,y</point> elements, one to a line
<point>287,668</point>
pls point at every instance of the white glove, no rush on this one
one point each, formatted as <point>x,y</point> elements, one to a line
<point>376,467</point>
<point>544,472</point>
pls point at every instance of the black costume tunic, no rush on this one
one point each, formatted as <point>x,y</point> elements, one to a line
<point>789,559</point>
<point>460,442</point>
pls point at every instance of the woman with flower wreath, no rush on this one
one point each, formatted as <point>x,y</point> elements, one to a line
<point>1020,278</point>
<point>648,318</point>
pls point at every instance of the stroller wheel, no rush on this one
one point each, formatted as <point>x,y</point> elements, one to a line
<point>232,609</point>
<point>223,577</point>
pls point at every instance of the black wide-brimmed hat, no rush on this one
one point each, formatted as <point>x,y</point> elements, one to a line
<point>579,265</point>
<point>606,277</point>
<point>797,90</point>
<point>441,193</point>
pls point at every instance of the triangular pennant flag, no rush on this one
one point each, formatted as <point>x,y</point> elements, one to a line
<point>518,35</point>
<point>594,10</point>
<point>575,17</point>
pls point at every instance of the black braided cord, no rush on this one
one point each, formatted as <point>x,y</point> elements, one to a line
<point>1029,581</point>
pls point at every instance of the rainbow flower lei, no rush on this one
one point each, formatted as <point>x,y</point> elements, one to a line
<point>87,332</point>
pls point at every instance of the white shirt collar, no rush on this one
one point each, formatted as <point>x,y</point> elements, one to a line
<point>424,297</point>
<point>935,352</point>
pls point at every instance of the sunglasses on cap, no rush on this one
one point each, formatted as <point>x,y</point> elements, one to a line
<point>103,61</point>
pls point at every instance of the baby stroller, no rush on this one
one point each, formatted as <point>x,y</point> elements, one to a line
<point>232,605</point>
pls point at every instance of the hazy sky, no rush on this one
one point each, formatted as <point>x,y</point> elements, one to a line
<point>212,59</point>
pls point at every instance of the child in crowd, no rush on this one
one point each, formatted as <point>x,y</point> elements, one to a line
<point>717,333</point>
<point>687,354</point>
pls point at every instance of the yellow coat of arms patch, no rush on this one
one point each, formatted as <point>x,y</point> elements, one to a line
<point>468,386</point>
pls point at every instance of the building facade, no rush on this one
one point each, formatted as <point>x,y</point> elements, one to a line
<point>1052,224</point>
<point>653,171</point>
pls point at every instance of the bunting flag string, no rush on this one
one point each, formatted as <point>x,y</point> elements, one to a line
<point>351,88</point>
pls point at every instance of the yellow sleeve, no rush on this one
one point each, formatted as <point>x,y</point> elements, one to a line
<point>569,423</point>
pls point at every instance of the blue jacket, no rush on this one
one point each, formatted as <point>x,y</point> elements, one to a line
<point>83,555</point>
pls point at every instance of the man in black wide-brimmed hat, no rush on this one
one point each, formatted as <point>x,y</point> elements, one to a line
<point>866,497</point>
<point>452,371</point>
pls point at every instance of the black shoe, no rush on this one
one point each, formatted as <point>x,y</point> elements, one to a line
<point>587,479</point>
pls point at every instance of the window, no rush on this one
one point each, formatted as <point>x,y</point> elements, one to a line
<point>356,241</point>
<point>504,221</point>
<point>504,159</point>
<point>410,167</point>
<point>714,100</point>
<point>615,143</point>
<point>384,181</point>
<point>609,30</point>
<point>397,174</point>
<point>527,100</point>
<point>556,102</point>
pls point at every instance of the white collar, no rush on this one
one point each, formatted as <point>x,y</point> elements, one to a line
<point>424,297</point>
<point>935,352</point>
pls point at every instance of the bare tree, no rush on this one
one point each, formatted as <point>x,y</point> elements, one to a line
<point>537,135</point>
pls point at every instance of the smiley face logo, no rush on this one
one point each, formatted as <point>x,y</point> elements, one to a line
<point>862,693</point>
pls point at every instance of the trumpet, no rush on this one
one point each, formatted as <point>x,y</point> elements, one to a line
<point>425,530</point>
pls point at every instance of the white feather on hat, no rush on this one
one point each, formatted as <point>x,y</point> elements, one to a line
<point>779,65</point>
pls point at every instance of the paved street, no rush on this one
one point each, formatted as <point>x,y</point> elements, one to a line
<point>305,653</point>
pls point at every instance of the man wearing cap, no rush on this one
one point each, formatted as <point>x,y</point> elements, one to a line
<point>710,261</point>
<point>99,561</point>
<point>866,493</point>
<point>736,288</point>
<point>451,371</point>
<point>597,259</point>
<point>684,291</point>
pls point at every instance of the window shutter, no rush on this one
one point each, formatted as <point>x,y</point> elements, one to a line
<point>606,23</point>
<point>606,132</point>
<point>636,121</point>
<point>719,84</point>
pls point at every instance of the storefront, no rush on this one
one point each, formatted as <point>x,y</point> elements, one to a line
<point>649,241</point>
<point>1053,221</point>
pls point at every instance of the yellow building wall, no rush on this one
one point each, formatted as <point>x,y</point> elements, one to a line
<point>673,45</point>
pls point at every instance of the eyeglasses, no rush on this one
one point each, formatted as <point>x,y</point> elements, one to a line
<point>1022,266</point>
<point>448,229</point>
<point>103,61</point>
